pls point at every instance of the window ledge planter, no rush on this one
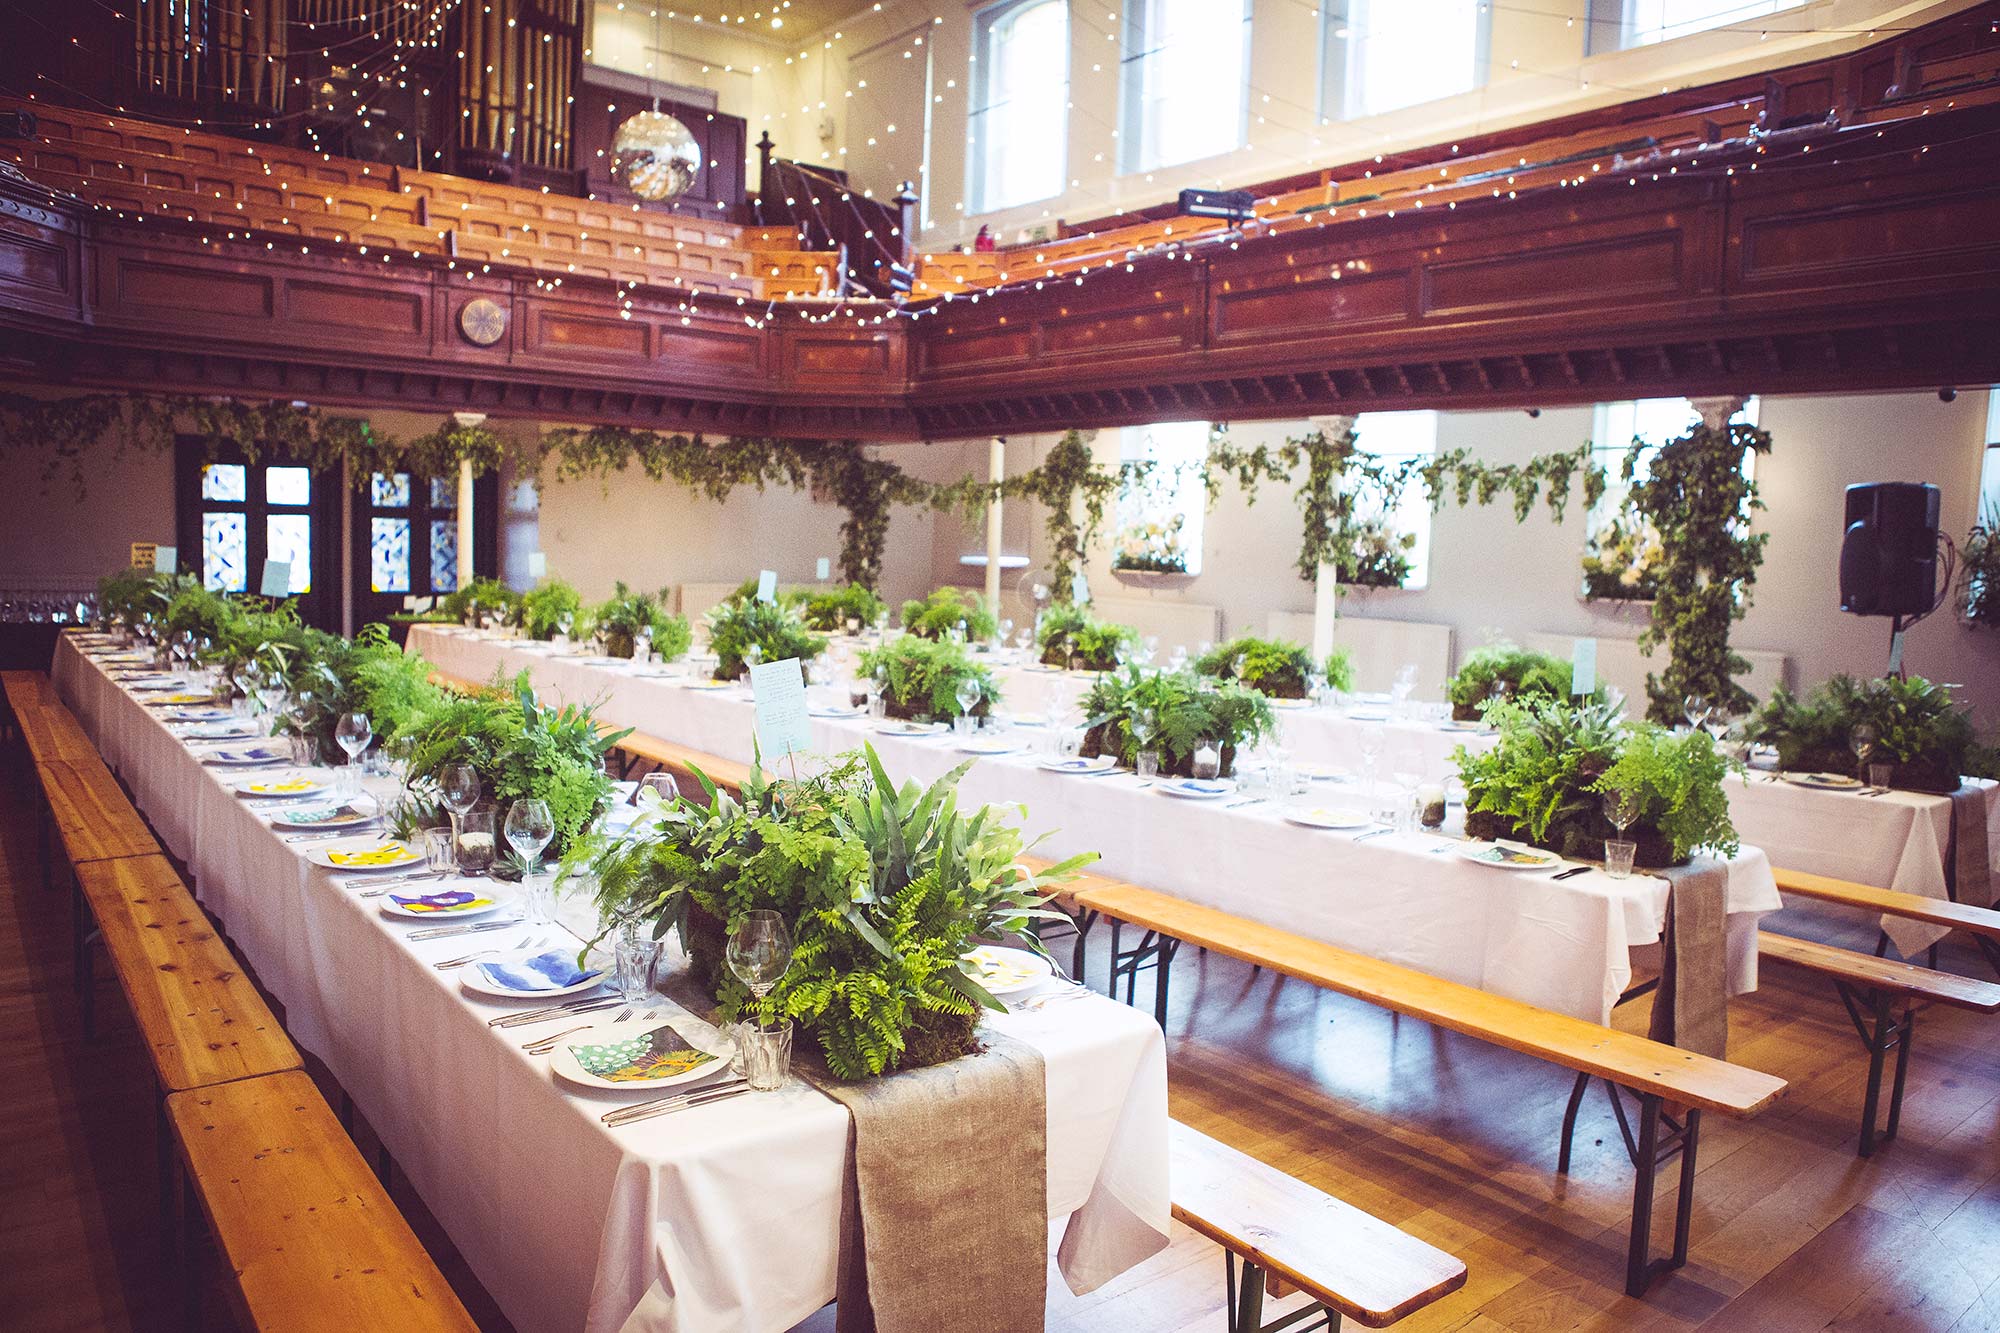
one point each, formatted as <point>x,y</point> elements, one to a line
<point>1153,578</point>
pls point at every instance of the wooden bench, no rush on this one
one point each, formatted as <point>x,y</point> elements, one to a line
<point>1352,1264</point>
<point>47,728</point>
<point>1981,923</point>
<point>1870,989</point>
<point>1657,1073</point>
<point>310,1236</point>
<point>202,1021</point>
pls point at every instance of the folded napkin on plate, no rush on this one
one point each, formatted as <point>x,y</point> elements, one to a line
<point>1972,865</point>
<point>647,1057</point>
<point>554,970</point>
<point>1691,1007</point>
<point>455,901</point>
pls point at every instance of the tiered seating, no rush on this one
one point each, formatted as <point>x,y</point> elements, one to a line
<point>135,167</point>
<point>308,1236</point>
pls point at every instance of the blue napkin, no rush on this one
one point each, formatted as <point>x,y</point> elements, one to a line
<point>554,970</point>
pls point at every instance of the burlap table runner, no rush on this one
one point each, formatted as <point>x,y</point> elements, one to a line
<point>1972,865</point>
<point>1691,1006</point>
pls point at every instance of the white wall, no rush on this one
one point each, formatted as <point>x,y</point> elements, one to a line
<point>50,539</point>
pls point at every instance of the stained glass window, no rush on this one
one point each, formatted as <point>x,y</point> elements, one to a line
<point>225,552</point>
<point>288,486</point>
<point>289,537</point>
<point>444,556</point>
<point>389,554</point>
<point>444,492</point>
<point>222,481</point>
<point>390,490</point>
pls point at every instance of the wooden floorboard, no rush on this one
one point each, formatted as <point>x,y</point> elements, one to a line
<point>1450,1139</point>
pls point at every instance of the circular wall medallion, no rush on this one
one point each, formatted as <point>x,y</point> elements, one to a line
<point>483,322</point>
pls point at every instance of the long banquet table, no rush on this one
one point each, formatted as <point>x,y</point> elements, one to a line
<point>713,1220</point>
<point>1566,944</point>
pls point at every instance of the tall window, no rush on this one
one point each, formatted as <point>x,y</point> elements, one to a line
<point>1653,421</point>
<point>1399,534</point>
<point>1184,81</point>
<point>1618,24</point>
<point>1162,509</point>
<point>1989,469</point>
<point>1382,55</point>
<point>1020,99</point>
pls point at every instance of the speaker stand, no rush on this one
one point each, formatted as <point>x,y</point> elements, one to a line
<point>1895,645</point>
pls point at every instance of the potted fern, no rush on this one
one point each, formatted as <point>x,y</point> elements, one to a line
<point>628,614</point>
<point>1070,636</point>
<point>920,678</point>
<point>829,610</point>
<point>1271,666</point>
<point>546,606</point>
<point>937,615</point>
<point>1917,729</point>
<point>1503,671</point>
<point>1187,711</point>
<point>1543,783</point>
<point>740,633</point>
<point>886,890</point>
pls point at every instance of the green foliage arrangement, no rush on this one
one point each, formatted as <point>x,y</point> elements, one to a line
<point>776,630</point>
<point>829,609</point>
<point>1621,562</point>
<point>1274,667</point>
<point>481,596</point>
<point>1696,497</point>
<point>936,616</point>
<point>544,606</point>
<point>1187,711</point>
<point>1070,636</point>
<point>330,676</point>
<point>191,608</point>
<point>520,748</point>
<point>920,678</point>
<point>1979,571</point>
<point>1501,670</point>
<point>628,614</point>
<point>885,890</point>
<point>126,594</point>
<point>1543,783</point>
<point>1918,729</point>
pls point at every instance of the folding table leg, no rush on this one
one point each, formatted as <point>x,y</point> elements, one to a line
<point>1652,1150</point>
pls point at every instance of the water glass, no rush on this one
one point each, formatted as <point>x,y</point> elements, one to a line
<point>439,853</point>
<point>635,958</point>
<point>1618,854</point>
<point>305,749</point>
<point>1207,764</point>
<point>1881,775</point>
<point>764,1055</point>
<point>878,706</point>
<point>965,726</point>
<point>1148,764</point>
<point>477,834</point>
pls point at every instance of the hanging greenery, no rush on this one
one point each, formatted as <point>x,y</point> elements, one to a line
<point>1698,499</point>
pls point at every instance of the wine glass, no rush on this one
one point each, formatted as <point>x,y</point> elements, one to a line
<point>353,732</point>
<point>458,787</point>
<point>1144,726</point>
<point>271,689</point>
<point>1862,740</point>
<point>760,949</point>
<point>665,791</point>
<point>1621,807</point>
<point>1697,710</point>
<point>1373,739</point>
<point>529,829</point>
<point>1006,632</point>
<point>1025,640</point>
<point>968,695</point>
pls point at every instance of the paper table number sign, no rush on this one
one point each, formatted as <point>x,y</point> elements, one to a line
<point>767,585</point>
<point>538,564</point>
<point>1079,588</point>
<point>1583,666</point>
<point>277,581</point>
<point>779,689</point>
<point>166,560</point>
<point>823,570</point>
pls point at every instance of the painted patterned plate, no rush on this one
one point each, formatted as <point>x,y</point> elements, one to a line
<point>239,756</point>
<point>284,785</point>
<point>640,1054</point>
<point>1509,856</point>
<point>320,817</point>
<point>366,854</point>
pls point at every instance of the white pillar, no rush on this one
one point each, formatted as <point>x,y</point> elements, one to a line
<point>464,521</point>
<point>1716,412</point>
<point>1326,579</point>
<point>996,471</point>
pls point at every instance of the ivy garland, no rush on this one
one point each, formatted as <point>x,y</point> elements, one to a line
<point>1699,501</point>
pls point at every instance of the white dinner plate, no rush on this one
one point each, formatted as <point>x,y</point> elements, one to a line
<point>718,1052</point>
<point>1368,716</point>
<point>708,684</point>
<point>1291,704</point>
<point>1323,816</point>
<point>1822,781</point>
<point>284,786</point>
<point>319,817</point>
<point>366,853</point>
<point>1004,971</point>
<point>480,978</point>
<point>1088,768</point>
<point>1197,789</point>
<point>1504,855</point>
<point>826,712</point>
<point>151,684</point>
<point>449,903</point>
<point>980,746</point>
<point>237,756</point>
<point>204,715</point>
<point>900,727</point>
<point>1026,719</point>
<point>1454,724</point>
<point>1319,772</point>
<point>230,729</point>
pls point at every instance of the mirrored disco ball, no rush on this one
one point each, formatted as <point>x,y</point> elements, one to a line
<point>657,154</point>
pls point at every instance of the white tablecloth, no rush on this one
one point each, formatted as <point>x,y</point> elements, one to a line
<point>1893,841</point>
<point>721,1218</point>
<point>1565,945</point>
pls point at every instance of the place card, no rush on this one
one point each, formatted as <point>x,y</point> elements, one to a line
<point>1583,666</point>
<point>277,580</point>
<point>166,559</point>
<point>823,570</point>
<point>538,564</point>
<point>1079,588</point>
<point>779,689</point>
<point>767,585</point>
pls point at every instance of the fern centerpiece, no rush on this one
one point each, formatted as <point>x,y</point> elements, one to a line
<point>1069,636</point>
<point>920,678</point>
<point>1543,783</point>
<point>1918,730</point>
<point>1188,711</point>
<point>775,630</point>
<point>829,610</point>
<point>481,597</point>
<point>886,889</point>
<point>1503,671</point>
<point>629,614</point>
<point>1274,667</point>
<point>937,615</point>
<point>546,606</point>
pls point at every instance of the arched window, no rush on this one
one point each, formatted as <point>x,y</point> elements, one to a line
<point>1382,55</point>
<point>1020,99</point>
<point>1184,81</point>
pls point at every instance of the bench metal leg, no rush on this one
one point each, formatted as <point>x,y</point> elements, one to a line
<point>1154,950</point>
<point>1655,1150</point>
<point>1569,1121</point>
<point>1245,1306</point>
<point>90,988</point>
<point>1881,1031</point>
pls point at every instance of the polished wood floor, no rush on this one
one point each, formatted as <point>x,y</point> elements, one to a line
<point>1447,1137</point>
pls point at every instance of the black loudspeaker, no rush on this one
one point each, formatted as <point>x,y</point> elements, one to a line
<point>1888,557</point>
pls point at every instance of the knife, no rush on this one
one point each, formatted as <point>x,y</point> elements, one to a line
<point>1573,870</point>
<point>693,1100</point>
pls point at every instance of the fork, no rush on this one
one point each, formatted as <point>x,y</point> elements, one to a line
<point>530,942</point>
<point>1238,805</point>
<point>543,1045</point>
<point>583,1005</point>
<point>471,928</point>
<point>640,1110</point>
<point>719,1093</point>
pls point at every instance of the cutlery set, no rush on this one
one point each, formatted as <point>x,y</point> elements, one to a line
<point>713,1092</point>
<point>543,1045</point>
<point>530,942</point>
<point>471,928</point>
<point>585,1005</point>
